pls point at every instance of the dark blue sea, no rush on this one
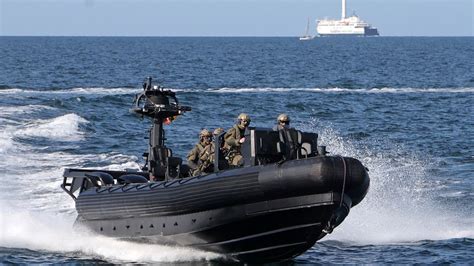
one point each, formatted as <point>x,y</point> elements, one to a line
<point>403,106</point>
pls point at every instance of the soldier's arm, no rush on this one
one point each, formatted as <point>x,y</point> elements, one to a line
<point>207,154</point>
<point>230,138</point>
<point>192,155</point>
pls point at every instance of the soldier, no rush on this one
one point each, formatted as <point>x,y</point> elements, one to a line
<point>283,122</point>
<point>234,137</point>
<point>287,135</point>
<point>206,157</point>
<point>205,138</point>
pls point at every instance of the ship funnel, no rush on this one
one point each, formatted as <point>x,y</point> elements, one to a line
<point>343,9</point>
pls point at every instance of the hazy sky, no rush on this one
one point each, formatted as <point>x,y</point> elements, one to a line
<point>227,17</point>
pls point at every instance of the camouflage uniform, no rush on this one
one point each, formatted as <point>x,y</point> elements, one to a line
<point>193,155</point>
<point>208,153</point>
<point>232,144</point>
<point>206,159</point>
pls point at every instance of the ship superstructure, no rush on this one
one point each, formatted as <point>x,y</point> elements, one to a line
<point>346,26</point>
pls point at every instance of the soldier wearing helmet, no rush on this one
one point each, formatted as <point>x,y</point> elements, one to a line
<point>206,157</point>
<point>205,138</point>
<point>283,122</point>
<point>234,137</point>
<point>288,136</point>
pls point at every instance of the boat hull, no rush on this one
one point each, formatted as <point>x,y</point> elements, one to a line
<point>252,214</point>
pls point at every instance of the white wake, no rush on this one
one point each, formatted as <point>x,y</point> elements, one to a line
<point>400,205</point>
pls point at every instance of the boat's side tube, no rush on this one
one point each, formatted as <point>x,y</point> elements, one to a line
<point>315,175</point>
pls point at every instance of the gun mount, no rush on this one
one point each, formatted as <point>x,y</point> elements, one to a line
<point>162,106</point>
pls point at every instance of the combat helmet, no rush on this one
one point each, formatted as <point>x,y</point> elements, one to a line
<point>244,117</point>
<point>205,133</point>
<point>283,118</point>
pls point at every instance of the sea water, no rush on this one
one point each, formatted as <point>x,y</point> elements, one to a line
<point>403,106</point>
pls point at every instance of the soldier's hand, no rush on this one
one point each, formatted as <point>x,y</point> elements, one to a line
<point>242,140</point>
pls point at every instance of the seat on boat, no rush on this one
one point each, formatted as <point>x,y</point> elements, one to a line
<point>173,170</point>
<point>100,178</point>
<point>260,147</point>
<point>267,146</point>
<point>290,143</point>
<point>171,166</point>
<point>219,155</point>
<point>132,178</point>
<point>294,144</point>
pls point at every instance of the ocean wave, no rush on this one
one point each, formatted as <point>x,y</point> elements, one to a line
<point>73,91</point>
<point>131,91</point>
<point>345,90</point>
<point>45,231</point>
<point>6,111</point>
<point>40,175</point>
<point>402,203</point>
<point>64,128</point>
<point>6,142</point>
<point>116,161</point>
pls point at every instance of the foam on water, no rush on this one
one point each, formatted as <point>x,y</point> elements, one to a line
<point>53,232</point>
<point>41,218</point>
<point>125,91</point>
<point>9,127</point>
<point>345,90</point>
<point>63,128</point>
<point>6,111</point>
<point>72,91</point>
<point>6,142</point>
<point>36,184</point>
<point>36,214</point>
<point>400,205</point>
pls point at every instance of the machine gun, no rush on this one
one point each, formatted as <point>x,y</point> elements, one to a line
<point>161,106</point>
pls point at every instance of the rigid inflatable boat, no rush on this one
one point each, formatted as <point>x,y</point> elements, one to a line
<point>288,194</point>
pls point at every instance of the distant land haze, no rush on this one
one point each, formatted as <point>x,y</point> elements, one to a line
<point>228,17</point>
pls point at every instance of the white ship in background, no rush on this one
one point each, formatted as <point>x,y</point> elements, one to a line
<point>347,26</point>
